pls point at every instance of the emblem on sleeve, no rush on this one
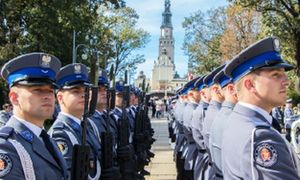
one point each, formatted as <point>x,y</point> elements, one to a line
<point>265,155</point>
<point>63,147</point>
<point>5,164</point>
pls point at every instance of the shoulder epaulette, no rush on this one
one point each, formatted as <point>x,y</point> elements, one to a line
<point>59,125</point>
<point>5,132</point>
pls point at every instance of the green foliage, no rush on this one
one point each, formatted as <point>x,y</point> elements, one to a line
<point>119,38</point>
<point>202,39</point>
<point>292,93</point>
<point>48,26</point>
<point>280,18</point>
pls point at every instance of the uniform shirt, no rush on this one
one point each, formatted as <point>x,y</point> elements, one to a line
<point>288,120</point>
<point>67,126</point>
<point>179,126</point>
<point>252,149</point>
<point>27,135</point>
<point>102,125</point>
<point>210,114</point>
<point>217,129</point>
<point>197,124</point>
<point>189,150</point>
<point>116,115</point>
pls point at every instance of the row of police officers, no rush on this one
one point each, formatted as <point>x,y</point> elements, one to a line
<point>36,83</point>
<point>222,120</point>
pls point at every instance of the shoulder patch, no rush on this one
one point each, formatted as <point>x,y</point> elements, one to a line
<point>5,164</point>
<point>27,135</point>
<point>62,146</point>
<point>265,155</point>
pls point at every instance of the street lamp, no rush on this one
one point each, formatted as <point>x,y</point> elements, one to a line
<point>75,48</point>
<point>75,52</point>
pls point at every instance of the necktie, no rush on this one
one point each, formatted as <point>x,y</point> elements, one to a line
<point>49,145</point>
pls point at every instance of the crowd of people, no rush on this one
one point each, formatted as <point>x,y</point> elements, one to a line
<point>229,124</point>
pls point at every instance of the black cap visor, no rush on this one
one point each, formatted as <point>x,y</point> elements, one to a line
<point>35,82</point>
<point>284,65</point>
<point>75,84</point>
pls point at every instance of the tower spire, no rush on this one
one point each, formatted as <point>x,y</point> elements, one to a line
<point>167,15</point>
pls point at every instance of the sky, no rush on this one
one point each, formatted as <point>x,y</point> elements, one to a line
<point>150,19</point>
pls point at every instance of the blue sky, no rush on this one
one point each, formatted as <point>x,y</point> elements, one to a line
<point>150,12</point>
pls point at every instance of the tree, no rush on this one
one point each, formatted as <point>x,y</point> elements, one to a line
<point>203,32</point>
<point>280,18</point>
<point>47,26</point>
<point>242,29</point>
<point>119,38</point>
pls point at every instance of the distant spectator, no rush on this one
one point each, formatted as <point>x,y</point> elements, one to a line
<point>277,114</point>
<point>153,105</point>
<point>288,120</point>
<point>158,110</point>
<point>5,114</point>
<point>298,108</point>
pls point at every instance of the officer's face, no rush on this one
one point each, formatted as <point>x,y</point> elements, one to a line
<point>119,99</point>
<point>102,95</point>
<point>33,103</point>
<point>197,96</point>
<point>270,87</point>
<point>71,101</point>
<point>132,99</point>
<point>205,94</point>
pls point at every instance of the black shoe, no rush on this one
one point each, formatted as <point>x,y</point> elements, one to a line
<point>150,154</point>
<point>144,172</point>
<point>139,176</point>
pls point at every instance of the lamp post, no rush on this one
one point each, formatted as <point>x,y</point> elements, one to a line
<point>75,53</point>
<point>75,48</point>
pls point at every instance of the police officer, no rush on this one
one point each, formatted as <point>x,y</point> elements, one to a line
<point>100,118</point>
<point>193,97</point>
<point>214,106</point>
<point>220,120</point>
<point>72,80</point>
<point>197,128</point>
<point>100,113</point>
<point>288,118</point>
<point>5,114</point>
<point>125,154</point>
<point>251,149</point>
<point>180,139</point>
<point>26,151</point>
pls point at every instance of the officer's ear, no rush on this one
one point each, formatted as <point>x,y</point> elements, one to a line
<point>59,97</point>
<point>14,96</point>
<point>232,90</point>
<point>248,83</point>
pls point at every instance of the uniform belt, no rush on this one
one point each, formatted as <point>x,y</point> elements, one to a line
<point>219,175</point>
<point>191,142</point>
<point>202,151</point>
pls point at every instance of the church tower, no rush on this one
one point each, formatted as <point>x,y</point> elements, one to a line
<point>164,68</point>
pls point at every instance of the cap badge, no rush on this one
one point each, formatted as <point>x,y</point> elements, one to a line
<point>77,69</point>
<point>276,45</point>
<point>46,59</point>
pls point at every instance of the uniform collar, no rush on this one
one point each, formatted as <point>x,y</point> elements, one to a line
<point>118,109</point>
<point>228,104</point>
<point>32,127</point>
<point>75,119</point>
<point>261,111</point>
<point>100,113</point>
